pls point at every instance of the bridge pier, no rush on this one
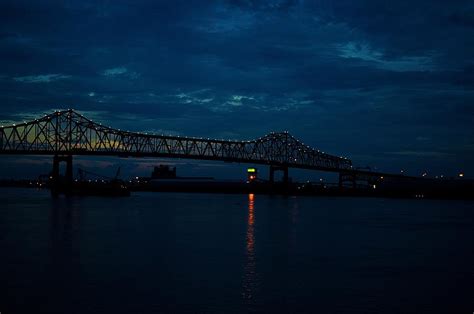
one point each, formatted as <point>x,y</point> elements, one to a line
<point>279,168</point>
<point>347,177</point>
<point>61,184</point>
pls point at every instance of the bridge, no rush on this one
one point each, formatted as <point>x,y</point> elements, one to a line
<point>65,133</point>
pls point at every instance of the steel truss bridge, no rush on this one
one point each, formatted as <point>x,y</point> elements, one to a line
<point>63,134</point>
<point>70,133</point>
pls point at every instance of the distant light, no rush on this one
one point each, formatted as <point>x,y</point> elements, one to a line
<point>424,174</point>
<point>251,170</point>
<point>461,175</point>
<point>374,186</point>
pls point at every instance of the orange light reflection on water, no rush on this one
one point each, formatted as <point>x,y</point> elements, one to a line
<point>250,275</point>
<point>250,223</point>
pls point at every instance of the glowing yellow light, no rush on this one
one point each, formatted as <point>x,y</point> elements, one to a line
<point>461,175</point>
<point>251,170</point>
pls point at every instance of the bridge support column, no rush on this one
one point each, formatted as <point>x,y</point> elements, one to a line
<point>347,177</point>
<point>61,184</point>
<point>279,168</point>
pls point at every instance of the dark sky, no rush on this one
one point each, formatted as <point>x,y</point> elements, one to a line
<point>385,83</point>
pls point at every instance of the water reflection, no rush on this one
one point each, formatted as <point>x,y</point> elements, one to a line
<point>64,254</point>
<point>294,212</point>
<point>250,226</point>
<point>250,275</point>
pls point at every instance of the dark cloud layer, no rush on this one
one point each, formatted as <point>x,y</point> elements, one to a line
<point>389,84</point>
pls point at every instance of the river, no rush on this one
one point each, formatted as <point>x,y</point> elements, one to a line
<point>217,253</point>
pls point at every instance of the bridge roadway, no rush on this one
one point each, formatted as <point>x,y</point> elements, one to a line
<point>65,133</point>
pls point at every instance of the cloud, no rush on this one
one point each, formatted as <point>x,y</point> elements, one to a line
<point>238,100</point>
<point>120,71</point>
<point>261,103</point>
<point>201,96</point>
<point>42,78</point>
<point>364,52</point>
<point>233,102</point>
<point>115,71</point>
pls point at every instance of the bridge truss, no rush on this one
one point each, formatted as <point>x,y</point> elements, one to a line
<point>68,132</point>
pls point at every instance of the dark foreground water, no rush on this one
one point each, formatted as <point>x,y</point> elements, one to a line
<point>201,253</point>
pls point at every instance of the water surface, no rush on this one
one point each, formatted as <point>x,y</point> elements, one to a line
<point>214,253</point>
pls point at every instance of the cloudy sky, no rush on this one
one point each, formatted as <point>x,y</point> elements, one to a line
<point>388,84</point>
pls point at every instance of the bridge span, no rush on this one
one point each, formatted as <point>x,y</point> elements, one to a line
<point>65,133</point>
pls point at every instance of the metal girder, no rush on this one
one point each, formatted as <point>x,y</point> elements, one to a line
<point>68,132</point>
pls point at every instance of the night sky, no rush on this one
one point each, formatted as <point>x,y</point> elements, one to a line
<point>389,84</point>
